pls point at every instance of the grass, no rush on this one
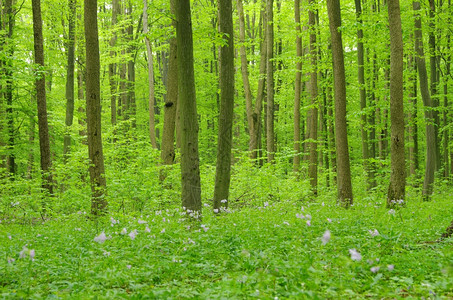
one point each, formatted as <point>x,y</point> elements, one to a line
<point>262,250</point>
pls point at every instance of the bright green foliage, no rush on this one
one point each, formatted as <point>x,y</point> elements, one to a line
<point>261,249</point>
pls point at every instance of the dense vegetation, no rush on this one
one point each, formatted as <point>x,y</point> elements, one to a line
<point>280,228</point>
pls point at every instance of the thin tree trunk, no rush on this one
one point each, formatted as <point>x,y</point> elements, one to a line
<point>396,191</point>
<point>224,141</point>
<point>113,66</point>
<point>430,168</point>
<point>297,87</point>
<point>413,127</point>
<point>93,111</point>
<point>447,114</point>
<point>190,170</point>
<point>313,120</point>
<point>149,51</point>
<point>44,144</point>
<point>171,101</point>
<point>70,79</point>
<point>270,143</point>
<point>344,186</point>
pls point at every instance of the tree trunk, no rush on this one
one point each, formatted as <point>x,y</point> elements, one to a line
<point>70,79</point>
<point>149,51</point>
<point>397,185</point>
<point>312,126</point>
<point>113,66</point>
<point>413,127</point>
<point>190,170</point>
<point>430,168</point>
<point>131,106</point>
<point>297,87</point>
<point>44,144</point>
<point>93,111</point>
<point>447,113</point>
<point>224,141</point>
<point>171,101</point>
<point>344,186</point>
<point>270,80</point>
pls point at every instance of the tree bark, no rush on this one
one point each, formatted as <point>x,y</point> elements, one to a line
<point>397,185</point>
<point>190,170</point>
<point>149,51</point>
<point>430,164</point>
<point>93,111</point>
<point>413,127</point>
<point>270,143</point>
<point>344,186</point>
<point>113,66</point>
<point>69,79</point>
<point>44,144</point>
<point>224,141</point>
<point>297,87</point>
<point>171,100</point>
<point>312,126</point>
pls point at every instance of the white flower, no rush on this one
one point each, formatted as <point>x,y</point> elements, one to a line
<point>302,208</point>
<point>390,267</point>
<point>300,216</point>
<point>373,232</point>
<point>133,234</point>
<point>100,238</point>
<point>10,237</point>
<point>106,253</point>
<point>11,260</point>
<point>113,221</point>
<point>147,229</point>
<point>326,237</point>
<point>78,229</point>
<point>23,253</point>
<point>224,201</point>
<point>32,254</point>
<point>355,255</point>
<point>163,230</point>
<point>322,204</point>
<point>329,220</point>
<point>128,266</point>
<point>392,211</point>
<point>266,204</point>
<point>216,210</point>
<point>308,217</point>
<point>375,269</point>
<point>124,231</point>
<point>308,223</point>
<point>141,221</point>
<point>286,223</point>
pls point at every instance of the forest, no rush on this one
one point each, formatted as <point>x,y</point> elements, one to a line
<point>227,149</point>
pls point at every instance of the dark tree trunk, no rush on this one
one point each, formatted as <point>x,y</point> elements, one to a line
<point>344,186</point>
<point>397,186</point>
<point>113,66</point>
<point>44,144</point>
<point>297,87</point>
<point>224,141</point>
<point>190,170</point>
<point>93,111</point>
<point>270,81</point>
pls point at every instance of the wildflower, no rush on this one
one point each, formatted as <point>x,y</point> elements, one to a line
<point>133,234</point>
<point>373,233</point>
<point>224,201</point>
<point>216,210</point>
<point>38,235</point>
<point>10,237</point>
<point>128,266</point>
<point>266,204</point>
<point>147,229</point>
<point>322,204</point>
<point>308,223</point>
<point>124,231</point>
<point>355,255</point>
<point>113,221</point>
<point>23,253</point>
<point>32,254</point>
<point>11,260</point>
<point>286,223</point>
<point>78,229</point>
<point>204,227</point>
<point>329,220</point>
<point>326,237</point>
<point>141,221</point>
<point>100,238</point>
<point>392,211</point>
<point>375,269</point>
<point>308,217</point>
<point>300,216</point>
<point>302,208</point>
<point>206,205</point>
<point>163,230</point>
<point>390,267</point>
<point>106,253</point>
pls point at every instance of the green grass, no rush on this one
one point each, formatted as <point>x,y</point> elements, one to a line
<point>256,251</point>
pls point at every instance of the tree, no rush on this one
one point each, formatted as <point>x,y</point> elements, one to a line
<point>225,138</point>
<point>113,65</point>
<point>70,77</point>
<point>190,170</point>
<point>397,185</point>
<point>149,51</point>
<point>344,186</point>
<point>40,82</point>
<point>270,80</point>
<point>297,87</point>
<point>171,100</point>
<point>312,125</point>
<point>430,162</point>
<point>93,110</point>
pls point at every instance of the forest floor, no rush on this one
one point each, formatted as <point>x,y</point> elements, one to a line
<point>275,250</point>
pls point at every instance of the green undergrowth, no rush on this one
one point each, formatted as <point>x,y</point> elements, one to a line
<point>266,250</point>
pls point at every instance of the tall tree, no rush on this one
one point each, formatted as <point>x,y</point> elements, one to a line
<point>344,186</point>
<point>190,163</point>
<point>430,162</point>
<point>413,126</point>
<point>171,100</point>
<point>113,65</point>
<point>40,82</point>
<point>149,51</point>
<point>312,125</point>
<point>70,77</point>
<point>397,185</point>
<point>93,110</point>
<point>270,142</point>
<point>225,139</point>
<point>297,86</point>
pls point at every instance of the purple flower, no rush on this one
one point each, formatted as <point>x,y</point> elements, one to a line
<point>390,267</point>
<point>100,238</point>
<point>355,255</point>
<point>375,269</point>
<point>326,237</point>
<point>133,234</point>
